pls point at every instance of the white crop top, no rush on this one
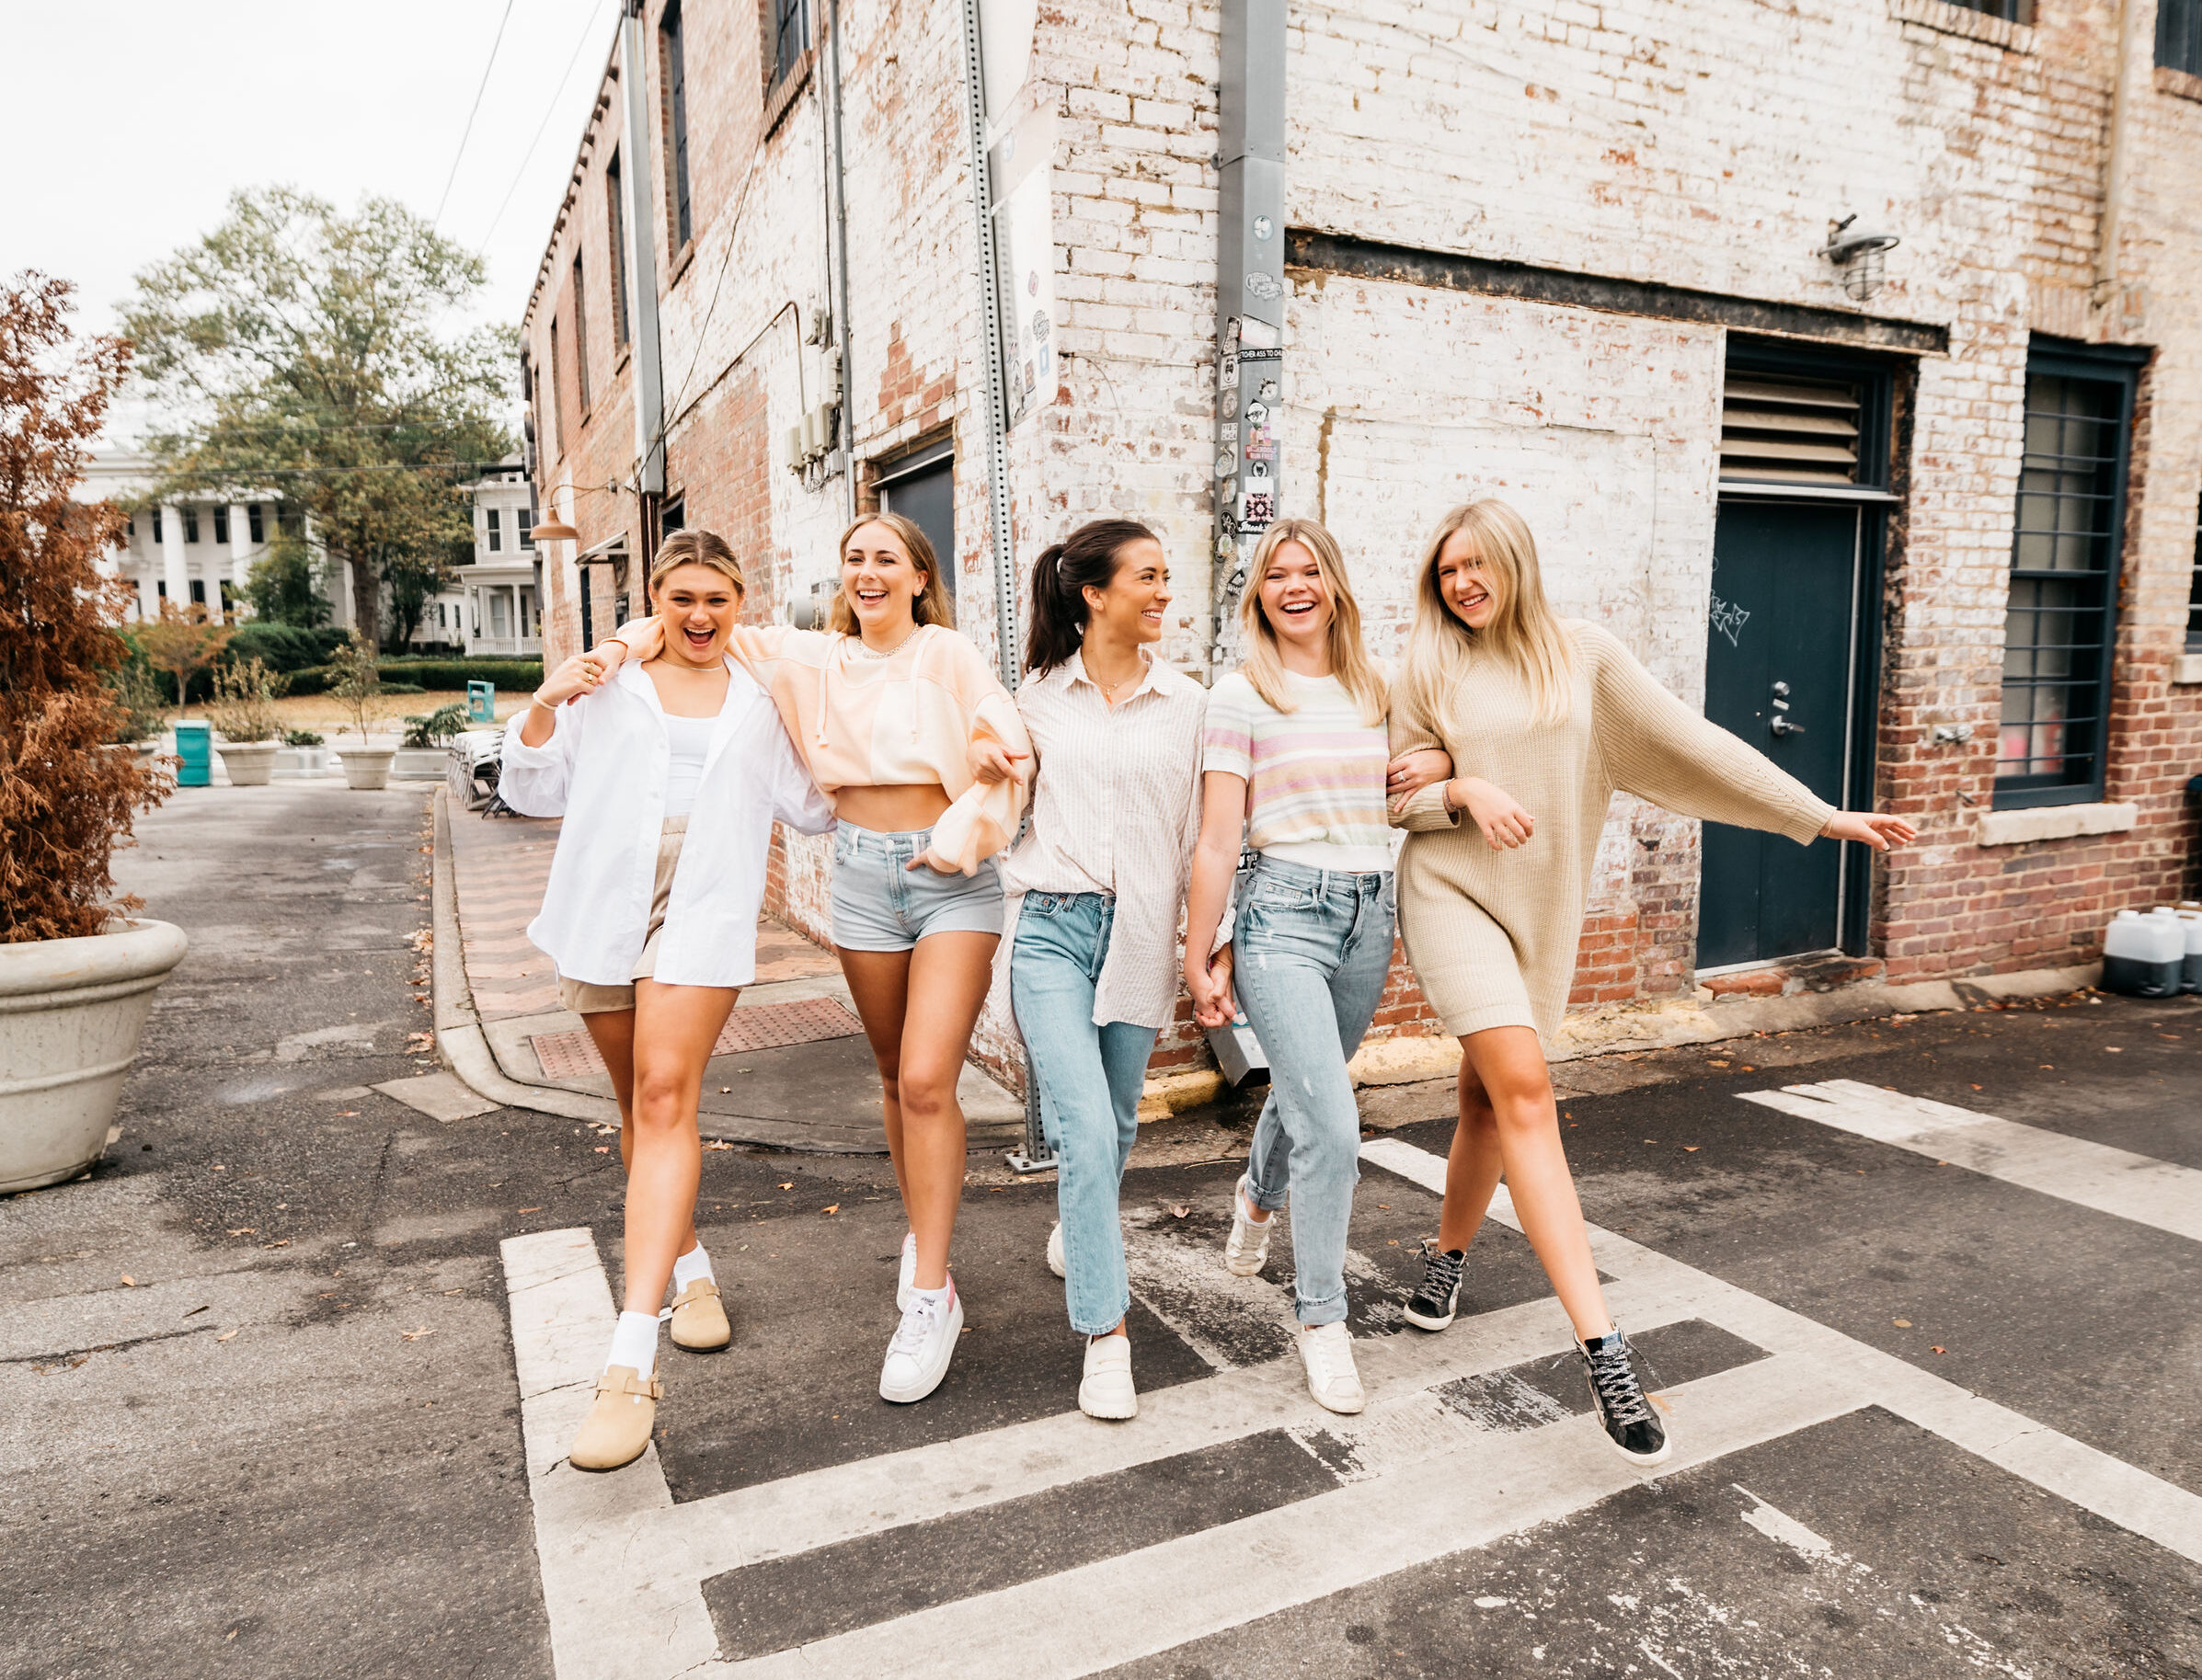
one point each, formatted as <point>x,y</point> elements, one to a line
<point>691,741</point>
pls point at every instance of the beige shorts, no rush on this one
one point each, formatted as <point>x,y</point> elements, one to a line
<point>582,998</point>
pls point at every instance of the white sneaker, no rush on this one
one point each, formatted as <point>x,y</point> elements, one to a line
<point>917,1358</point>
<point>906,1279</point>
<point>1327,1352</point>
<point>1107,1391</point>
<point>1248,1245</point>
<point>1055,1262</point>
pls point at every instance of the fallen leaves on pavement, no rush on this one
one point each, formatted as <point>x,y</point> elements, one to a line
<point>415,1335</point>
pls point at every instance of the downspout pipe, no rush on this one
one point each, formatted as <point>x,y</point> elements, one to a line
<point>2109,228</point>
<point>1250,304</point>
<point>846,425</point>
<point>641,257</point>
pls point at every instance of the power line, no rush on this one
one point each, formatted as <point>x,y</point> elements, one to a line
<point>557,93</point>
<point>468,130</point>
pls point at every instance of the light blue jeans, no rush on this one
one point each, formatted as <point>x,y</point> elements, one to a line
<point>1311,948</point>
<point>1090,1077</point>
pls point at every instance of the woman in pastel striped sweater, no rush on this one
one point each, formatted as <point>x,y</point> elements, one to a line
<point>1296,762</point>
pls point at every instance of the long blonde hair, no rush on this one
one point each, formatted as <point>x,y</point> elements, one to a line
<point>1522,634</point>
<point>696,548</point>
<point>1349,661</point>
<point>931,607</point>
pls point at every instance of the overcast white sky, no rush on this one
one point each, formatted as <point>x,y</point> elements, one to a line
<point>128,123</point>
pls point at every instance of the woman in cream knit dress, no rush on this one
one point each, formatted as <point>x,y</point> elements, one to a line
<point>1560,716</point>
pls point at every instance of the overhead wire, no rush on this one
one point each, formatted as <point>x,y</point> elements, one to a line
<point>474,111</point>
<point>549,110</point>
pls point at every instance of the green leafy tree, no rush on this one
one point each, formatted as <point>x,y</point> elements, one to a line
<point>298,347</point>
<point>281,586</point>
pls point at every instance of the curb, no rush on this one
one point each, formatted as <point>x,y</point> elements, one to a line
<point>459,1037</point>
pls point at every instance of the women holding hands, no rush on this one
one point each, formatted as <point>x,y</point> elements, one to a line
<point>1559,715</point>
<point>669,776</point>
<point>889,709</point>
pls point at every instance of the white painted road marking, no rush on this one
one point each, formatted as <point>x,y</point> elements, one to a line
<point>623,1566</point>
<point>2110,1181</point>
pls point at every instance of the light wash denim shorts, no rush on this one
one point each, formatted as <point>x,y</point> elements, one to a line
<point>881,904</point>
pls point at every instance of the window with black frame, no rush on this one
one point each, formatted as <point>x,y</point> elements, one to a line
<point>615,256</point>
<point>2010,11</point>
<point>2062,613</point>
<point>676,126</point>
<point>2179,35</point>
<point>2194,593</point>
<point>790,35</point>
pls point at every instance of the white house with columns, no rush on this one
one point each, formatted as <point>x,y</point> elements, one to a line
<point>501,584</point>
<point>194,549</point>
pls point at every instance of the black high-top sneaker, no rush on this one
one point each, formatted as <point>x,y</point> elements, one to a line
<point>1439,1296</point>
<point>1627,1417</point>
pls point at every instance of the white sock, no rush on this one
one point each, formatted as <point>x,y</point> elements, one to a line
<point>635,1343</point>
<point>940,1295</point>
<point>692,1265</point>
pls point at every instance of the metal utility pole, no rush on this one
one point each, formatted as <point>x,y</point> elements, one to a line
<point>1250,301</point>
<point>641,256</point>
<point>990,316</point>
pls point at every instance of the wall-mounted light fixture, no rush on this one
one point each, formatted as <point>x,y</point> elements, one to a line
<point>1856,252</point>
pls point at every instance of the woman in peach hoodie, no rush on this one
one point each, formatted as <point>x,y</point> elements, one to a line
<point>891,709</point>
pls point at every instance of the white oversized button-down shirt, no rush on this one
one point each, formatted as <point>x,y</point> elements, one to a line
<point>1116,808</point>
<point>604,770</point>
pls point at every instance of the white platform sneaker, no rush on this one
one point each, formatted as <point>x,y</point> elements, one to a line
<point>1326,1352</point>
<point>1055,1259</point>
<point>924,1343</point>
<point>1106,1390</point>
<point>1247,1247</point>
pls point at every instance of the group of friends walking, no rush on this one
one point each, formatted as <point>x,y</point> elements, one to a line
<point>1244,839</point>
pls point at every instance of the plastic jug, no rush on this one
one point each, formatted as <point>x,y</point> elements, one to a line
<point>2190,974</point>
<point>2144,956</point>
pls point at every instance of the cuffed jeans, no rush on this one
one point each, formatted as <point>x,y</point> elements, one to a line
<point>1090,1077</point>
<point>1311,948</point>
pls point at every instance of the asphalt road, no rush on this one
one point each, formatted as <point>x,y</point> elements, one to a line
<point>262,1410</point>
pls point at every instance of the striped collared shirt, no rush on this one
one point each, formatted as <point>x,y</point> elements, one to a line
<point>1116,808</point>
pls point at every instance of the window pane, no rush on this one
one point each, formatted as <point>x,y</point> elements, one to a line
<point>2056,630</point>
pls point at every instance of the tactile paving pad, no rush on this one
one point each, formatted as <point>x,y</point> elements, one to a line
<point>763,1026</point>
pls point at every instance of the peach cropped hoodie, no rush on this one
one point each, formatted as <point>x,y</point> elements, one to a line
<point>898,722</point>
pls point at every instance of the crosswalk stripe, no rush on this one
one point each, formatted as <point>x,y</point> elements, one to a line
<point>2095,1175</point>
<point>623,1565</point>
<point>1080,1621</point>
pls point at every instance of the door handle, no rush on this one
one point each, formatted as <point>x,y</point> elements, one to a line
<point>1782,725</point>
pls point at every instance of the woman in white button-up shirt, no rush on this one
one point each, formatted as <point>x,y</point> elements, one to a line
<point>669,776</point>
<point>1093,963</point>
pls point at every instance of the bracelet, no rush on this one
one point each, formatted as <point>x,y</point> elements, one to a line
<point>536,700</point>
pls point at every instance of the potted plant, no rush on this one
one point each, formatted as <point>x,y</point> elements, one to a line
<point>242,709</point>
<point>425,752</point>
<point>358,682</point>
<point>141,710</point>
<point>303,754</point>
<point>77,973</point>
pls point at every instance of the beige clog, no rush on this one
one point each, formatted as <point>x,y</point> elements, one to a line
<point>699,1317</point>
<point>618,1425</point>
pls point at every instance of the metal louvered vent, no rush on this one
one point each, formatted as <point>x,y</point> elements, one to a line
<point>1794,430</point>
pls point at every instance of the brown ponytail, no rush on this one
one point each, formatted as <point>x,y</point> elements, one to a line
<point>1086,559</point>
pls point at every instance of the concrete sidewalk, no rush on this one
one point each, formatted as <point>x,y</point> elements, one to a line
<point>793,1070</point>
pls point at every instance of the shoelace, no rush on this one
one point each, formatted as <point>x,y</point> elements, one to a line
<point>916,1325</point>
<point>1442,1274</point>
<point>1616,1383</point>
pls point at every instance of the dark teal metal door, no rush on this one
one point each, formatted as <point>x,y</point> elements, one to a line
<point>1780,663</point>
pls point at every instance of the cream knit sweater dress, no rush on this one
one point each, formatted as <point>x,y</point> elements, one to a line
<point>1492,934</point>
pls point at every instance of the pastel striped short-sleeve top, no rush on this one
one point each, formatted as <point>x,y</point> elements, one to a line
<point>1314,776</point>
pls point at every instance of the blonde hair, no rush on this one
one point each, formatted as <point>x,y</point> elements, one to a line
<point>1349,661</point>
<point>931,607</point>
<point>696,548</point>
<point>1522,634</point>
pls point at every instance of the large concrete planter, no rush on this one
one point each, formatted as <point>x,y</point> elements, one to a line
<point>420,764</point>
<point>366,767</point>
<point>299,763</point>
<point>250,763</point>
<point>71,1010</point>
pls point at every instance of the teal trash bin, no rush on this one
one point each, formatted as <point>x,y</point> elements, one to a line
<point>481,702</point>
<point>195,753</point>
